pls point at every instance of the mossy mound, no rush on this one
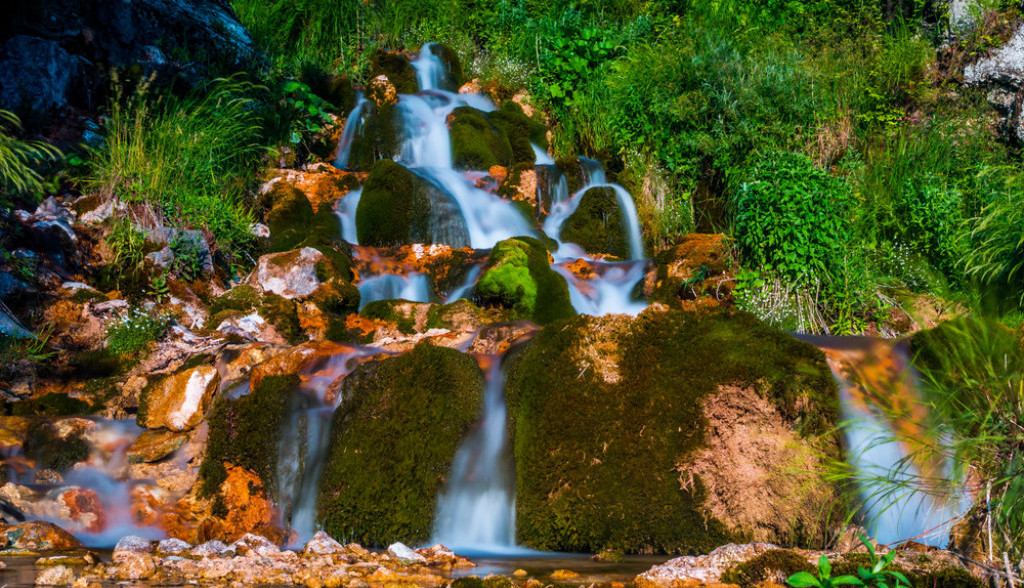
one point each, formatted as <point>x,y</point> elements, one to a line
<point>573,172</point>
<point>597,225</point>
<point>246,432</point>
<point>477,143</point>
<point>606,413</point>
<point>44,445</point>
<point>394,208</point>
<point>521,131</point>
<point>378,139</point>
<point>52,404</point>
<point>456,76</point>
<point>402,313</point>
<point>518,277</point>
<point>774,565</point>
<point>397,68</point>
<point>289,218</point>
<point>455,316</point>
<point>393,440</point>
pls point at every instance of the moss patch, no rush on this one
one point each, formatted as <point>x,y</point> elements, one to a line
<point>392,443</point>
<point>597,224</point>
<point>521,131</point>
<point>477,144</point>
<point>50,451</point>
<point>52,404</point>
<point>246,432</point>
<point>390,311</point>
<point>394,208</point>
<point>603,410</point>
<point>456,77</point>
<point>774,565</point>
<point>573,172</point>
<point>518,275</point>
<point>289,218</point>
<point>397,68</point>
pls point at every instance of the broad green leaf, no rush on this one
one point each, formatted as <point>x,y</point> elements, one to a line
<point>803,580</point>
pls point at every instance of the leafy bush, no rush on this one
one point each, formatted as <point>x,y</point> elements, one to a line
<point>189,159</point>
<point>18,158</point>
<point>791,217</point>
<point>996,256</point>
<point>135,331</point>
<point>189,258</point>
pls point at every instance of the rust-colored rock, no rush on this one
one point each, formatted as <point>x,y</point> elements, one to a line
<point>82,508</point>
<point>13,430</point>
<point>179,402</point>
<point>249,510</point>
<point>38,536</point>
<point>154,445</point>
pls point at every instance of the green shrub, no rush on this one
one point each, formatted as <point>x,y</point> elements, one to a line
<point>188,158</point>
<point>996,255</point>
<point>791,217</point>
<point>18,159</point>
<point>189,257</point>
<point>135,331</point>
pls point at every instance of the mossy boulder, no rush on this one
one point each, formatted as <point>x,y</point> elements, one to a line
<point>518,277</point>
<point>393,440</point>
<point>45,445</point>
<point>397,68</point>
<point>246,432</point>
<point>460,315</point>
<point>573,172</point>
<point>394,208</point>
<point>774,565</point>
<point>290,216</point>
<point>598,225</point>
<point>671,432</point>
<point>521,131</point>
<point>456,76</point>
<point>477,143</point>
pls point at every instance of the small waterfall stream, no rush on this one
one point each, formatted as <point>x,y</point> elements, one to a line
<point>476,509</point>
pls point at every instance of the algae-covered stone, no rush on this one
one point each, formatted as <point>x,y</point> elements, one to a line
<point>521,130</point>
<point>518,276</point>
<point>397,68</point>
<point>290,215</point>
<point>246,432</point>
<point>393,440</point>
<point>394,208</point>
<point>597,225</point>
<point>670,432</point>
<point>477,144</point>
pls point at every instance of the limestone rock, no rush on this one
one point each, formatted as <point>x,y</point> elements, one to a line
<point>154,445</point>
<point>322,544</point>
<point>55,576</point>
<point>173,546</point>
<point>179,402</point>
<point>702,569</point>
<point>405,555</point>
<point>252,544</point>
<point>131,546</point>
<point>291,274</point>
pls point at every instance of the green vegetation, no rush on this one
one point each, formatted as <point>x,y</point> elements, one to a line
<point>477,143</point>
<point>135,331</point>
<point>19,159</point>
<point>392,443</point>
<point>597,225</point>
<point>246,432</point>
<point>518,277</point>
<point>597,446</point>
<point>774,565</point>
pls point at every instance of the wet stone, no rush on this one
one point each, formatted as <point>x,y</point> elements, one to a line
<point>154,445</point>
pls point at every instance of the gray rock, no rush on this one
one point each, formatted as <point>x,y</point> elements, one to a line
<point>131,546</point>
<point>404,554</point>
<point>160,259</point>
<point>1003,73</point>
<point>173,546</point>
<point>10,285</point>
<point>36,74</point>
<point>291,274</point>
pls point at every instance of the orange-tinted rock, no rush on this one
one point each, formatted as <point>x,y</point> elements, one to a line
<point>499,173</point>
<point>321,183</point>
<point>154,445</point>
<point>13,430</point>
<point>148,505</point>
<point>38,535</point>
<point>249,508</point>
<point>382,92</point>
<point>180,401</point>
<point>82,508</point>
<point>293,360</point>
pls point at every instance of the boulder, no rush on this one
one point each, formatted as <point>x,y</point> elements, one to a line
<point>154,445</point>
<point>598,224</point>
<point>172,546</point>
<point>255,545</point>
<point>703,569</point>
<point>690,424</point>
<point>1002,73</point>
<point>518,274</point>
<point>697,265</point>
<point>131,546</point>
<point>392,443</point>
<point>323,544</point>
<point>178,402</point>
<point>477,143</point>
<point>55,576</point>
<point>396,208</point>
<point>37,74</point>
<point>38,536</point>
<point>396,68</point>
<point>405,555</point>
<point>291,274</point>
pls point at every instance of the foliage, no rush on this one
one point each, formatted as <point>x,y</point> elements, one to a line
<point>127,244</point>
<point>18,158</point>
<point>791,217</point>
<point>568,62</point>
<point>189,257</point>
<point>877,576</point>
<point>135,331</point>
<point>996,256</point>
<point>189,159</point>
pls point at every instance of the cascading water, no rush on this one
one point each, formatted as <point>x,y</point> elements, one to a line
<point>430,70</point>
<point>346,212</point>
<point>461,290</point>
<point>414,287</point>
<point>904,495</point>
<point>552,187</point>
<point>305,441</point>
<point>354,125</point>
<point>476,510</point>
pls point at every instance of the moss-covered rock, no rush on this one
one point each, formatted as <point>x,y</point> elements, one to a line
<point>573,172</point>
<point>52,404</point>
<point>393,440</point>
<point>477,144</point>
<point>44,445</point>
<point>397,68</point>
<point>521,131</point>
<point>394,208</point>
<point>597,225</point>
<point>774,565</point>
<point>289,218</point>
<point>616,422</point>
<point>246,432</point>
<point>518,276</point>
<point>456,316</point>
<point>456,77</point>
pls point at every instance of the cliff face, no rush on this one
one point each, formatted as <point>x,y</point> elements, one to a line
<point>77,43</point>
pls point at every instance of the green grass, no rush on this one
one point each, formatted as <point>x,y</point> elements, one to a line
<point>188,159</point>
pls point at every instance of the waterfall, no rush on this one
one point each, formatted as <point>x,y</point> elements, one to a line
<point>305,441</point>
<point>476,511</point>
<point>610,291</point>
<point>345,209</point>
<point>414,287</point>
<point>904,495</point>
<point>469,282</point>
<point>552,188</point>
<point>430,70</point>
<point>353,128</point>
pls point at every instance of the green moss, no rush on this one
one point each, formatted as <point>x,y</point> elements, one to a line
<point>242,298</point>
<point>517,275</point>
<point>44,446</point>
<point>246,432</point>
<point>51,404</point>
<point>774,565</point>
<point>455,314</point>
<point>573,172</point>
<point>337,298</point>
<point>397,68</point>
<point>448,56</point>
<point>85,295</point>
<point>477,144</point>
<point>290,216</point>
<point>949,577</point>
<point>283,315</point>
<point>392,443</point>
<point>98,363</point>
<point>379,139</point>
<point>597,224</point>
<point>596,456</point>
<point>393,209</point>
<point>387,310</point>
<point>521,131</point>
